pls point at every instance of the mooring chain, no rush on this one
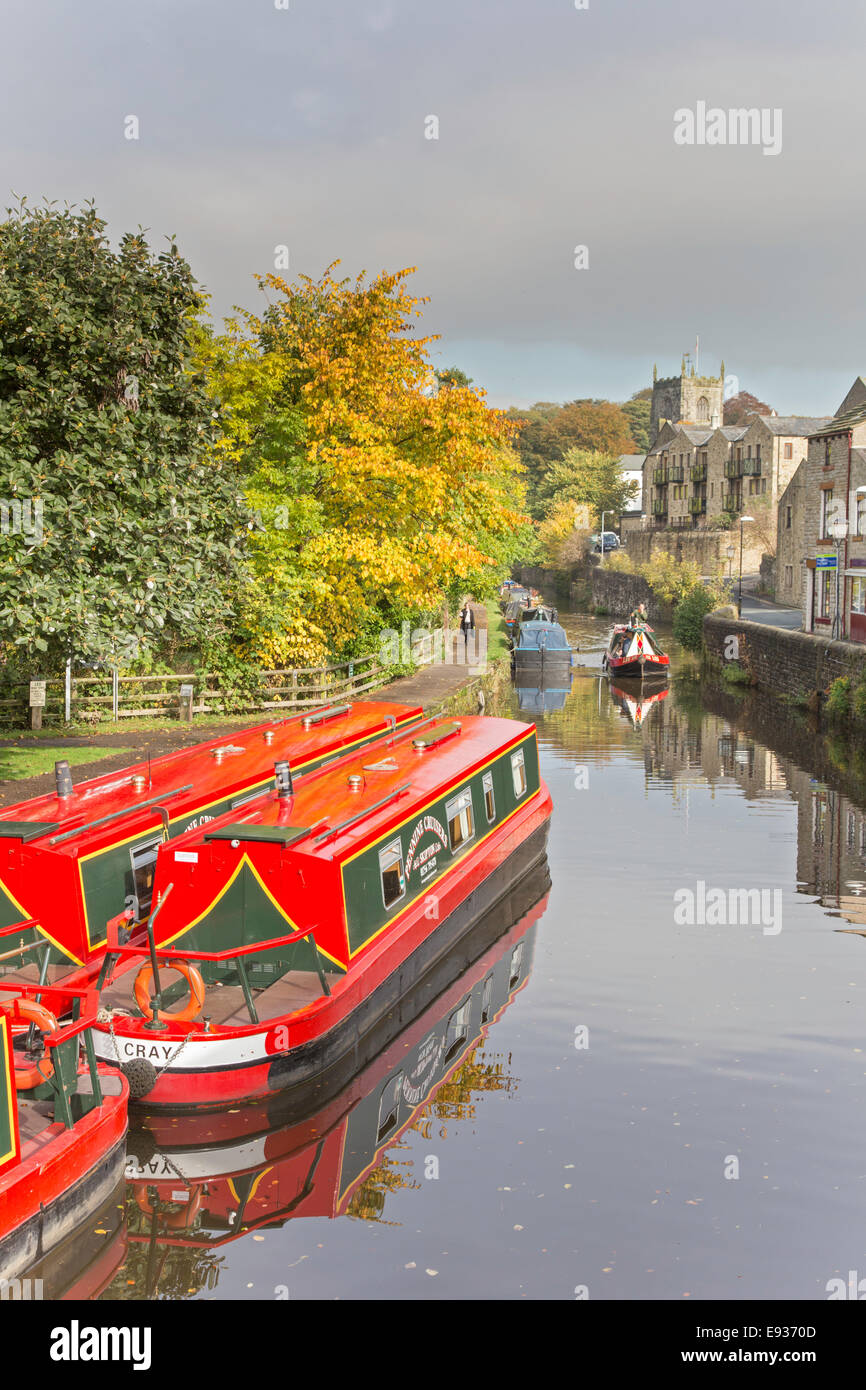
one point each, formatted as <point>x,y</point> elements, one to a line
<point>106,1015</point>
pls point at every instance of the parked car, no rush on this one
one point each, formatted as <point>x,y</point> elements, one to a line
<point>611,541</point>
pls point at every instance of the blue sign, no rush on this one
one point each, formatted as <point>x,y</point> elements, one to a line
<point>825,562</point>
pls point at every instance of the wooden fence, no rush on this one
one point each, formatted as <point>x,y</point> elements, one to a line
<point>109,695</point>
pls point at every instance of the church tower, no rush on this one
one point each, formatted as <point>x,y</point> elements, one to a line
<point>687,399</point>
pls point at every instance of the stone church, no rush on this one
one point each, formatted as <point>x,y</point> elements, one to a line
<point>686,399</point>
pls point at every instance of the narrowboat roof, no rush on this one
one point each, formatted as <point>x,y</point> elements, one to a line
<point>531,635</point>
<point>327,816</point>
<point>192,777</point>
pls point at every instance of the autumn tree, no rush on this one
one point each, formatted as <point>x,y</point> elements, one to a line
<point>379,497</point>
<point>738,408</point>
<point>547,432</point>
<point>104,429</point>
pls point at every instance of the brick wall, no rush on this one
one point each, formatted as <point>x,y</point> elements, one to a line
<point>785,663</point>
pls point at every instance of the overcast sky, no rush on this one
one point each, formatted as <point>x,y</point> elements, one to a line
<point>306,127</point>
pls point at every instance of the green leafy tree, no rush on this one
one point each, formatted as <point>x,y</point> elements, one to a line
<point>586,476</point>
<point>453,376</point>
<point>637,412</point>
<point>105,427</point>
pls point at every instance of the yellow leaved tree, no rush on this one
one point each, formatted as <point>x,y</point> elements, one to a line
<point>380,493</point>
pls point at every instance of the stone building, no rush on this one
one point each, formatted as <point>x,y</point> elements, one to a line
<point>791,540</point>
<point>687,398</point>
<point>835,471</point>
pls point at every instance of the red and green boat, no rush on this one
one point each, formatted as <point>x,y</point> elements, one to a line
<point>63,1120</point>
<point>298,922</point>
<point>73,859</point>
<point>199,1182</point>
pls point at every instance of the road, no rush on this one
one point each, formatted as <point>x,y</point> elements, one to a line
<point>761,610</point>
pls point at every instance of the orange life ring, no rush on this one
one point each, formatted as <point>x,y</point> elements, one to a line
<point>173,1220</point>
<point>37,1073</point>
<point>144,980</point>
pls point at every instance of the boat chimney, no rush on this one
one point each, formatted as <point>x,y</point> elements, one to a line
<point>63,779</point>
<point>283,775</point>
<point>269,736</point>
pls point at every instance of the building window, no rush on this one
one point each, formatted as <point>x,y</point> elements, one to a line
<point>489,799</point>
<point>461,827</point>
<point>827,511</point>
<point>518,773</point>
<point>824,598</point>
<point>703,409</point>
<point>787,518</point>
<point>789,451</point>
<point>861,516</point>
<point>391,870</point>
<point>858,595</point>
<point>763,485</point>
<point>826,453</point>
<point>789,577</point>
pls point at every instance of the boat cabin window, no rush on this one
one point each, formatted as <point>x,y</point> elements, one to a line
<point>489,799</point>
<point>143,862</point>
<point>518,772</point>
<point>461,826</point>
<point>391,869</point>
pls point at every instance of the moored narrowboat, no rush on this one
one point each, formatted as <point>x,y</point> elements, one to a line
<point>196,1180</point>
<point>62,1123</point>
<point>541,650</point>
<point>299,925</point>
<point>633,650</point>
<point>71,860</point>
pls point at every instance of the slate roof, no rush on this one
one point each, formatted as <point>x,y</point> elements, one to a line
<point>802,425</point>
<point>839,424</point>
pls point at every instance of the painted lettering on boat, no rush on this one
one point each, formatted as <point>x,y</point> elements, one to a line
<point>153,1052</point>
<point>425,824</point>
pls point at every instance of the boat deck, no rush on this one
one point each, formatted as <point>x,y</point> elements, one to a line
<point>224,1004</point>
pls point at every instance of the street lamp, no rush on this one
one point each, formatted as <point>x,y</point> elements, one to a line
<point>730,552</point>
<point>743,520</point>
<point>839,530</point>
<point>603,515</point>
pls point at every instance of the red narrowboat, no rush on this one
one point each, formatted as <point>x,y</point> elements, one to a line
<point>62,1123</point>
<point>71,860</point>
<point>202,1181</point>
<point>299,924</point>
<point>634,651</point>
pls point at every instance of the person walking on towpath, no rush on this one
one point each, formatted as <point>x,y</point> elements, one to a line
<point>467,623</point>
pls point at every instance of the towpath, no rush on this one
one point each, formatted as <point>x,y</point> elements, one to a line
<point>431,687</point>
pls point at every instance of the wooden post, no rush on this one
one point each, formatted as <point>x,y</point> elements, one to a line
<point>37,703</point>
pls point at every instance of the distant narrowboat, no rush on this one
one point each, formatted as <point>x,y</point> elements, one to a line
<point>634,651</point>
<point>298,924</point>
<point>541,649</point>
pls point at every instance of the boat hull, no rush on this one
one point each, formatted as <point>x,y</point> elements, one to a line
<point>43,1205</point>
<point>639,669</point>
<point>338,1035</point>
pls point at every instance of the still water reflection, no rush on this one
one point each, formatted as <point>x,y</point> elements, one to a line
<point>612,1096</point>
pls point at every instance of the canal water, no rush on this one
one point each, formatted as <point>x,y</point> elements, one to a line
<point>650,1084</point>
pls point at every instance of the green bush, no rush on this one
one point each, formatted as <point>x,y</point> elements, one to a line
<point>689,617</point>
<point>838,704</point>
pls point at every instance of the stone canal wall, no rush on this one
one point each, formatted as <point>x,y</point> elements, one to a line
<point>796,664</point>
<point>702,547</point>
<point>619,593</point>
